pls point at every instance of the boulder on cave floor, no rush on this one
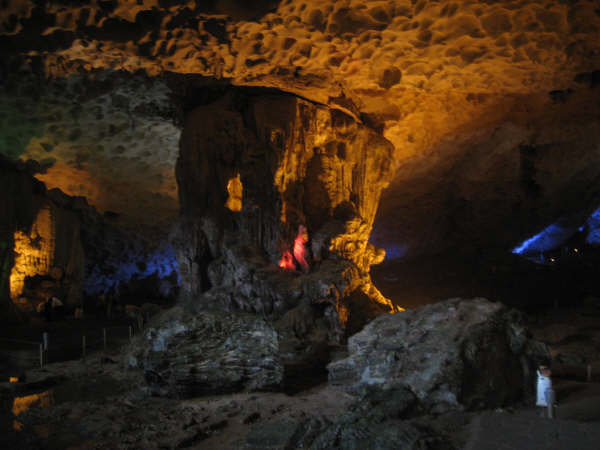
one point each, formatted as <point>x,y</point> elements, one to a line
<point>350,432</point>
<point>185,355</point>
<point>454,355</point>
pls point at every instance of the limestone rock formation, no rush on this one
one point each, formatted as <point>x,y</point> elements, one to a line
<point>206,354</point>
<point>298,163</point>
<point>295,164</point>
<point>458,88</point>
<point>40,237</point>
<point>448,356</point>
<point>52,244</point>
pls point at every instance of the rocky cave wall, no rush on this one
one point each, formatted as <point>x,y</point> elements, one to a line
<point>296,163</point>
<point>528,161</point>
<point>39,237</point>
<point>491,107</point>
<point>106,136</point>
<point>16,208</point>
<point>57,245</point>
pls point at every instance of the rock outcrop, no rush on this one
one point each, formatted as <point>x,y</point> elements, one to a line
<point>206,354</point>
<point>40,237</point>
<point>352,432</point>
<point>289,164</point>
<point>454,355</point>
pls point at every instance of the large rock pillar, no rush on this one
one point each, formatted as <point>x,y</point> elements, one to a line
<point>252,169</point>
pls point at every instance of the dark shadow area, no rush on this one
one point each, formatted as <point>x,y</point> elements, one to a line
<point>568,276</point>
<point>238,9</point>
<point>307,374</point>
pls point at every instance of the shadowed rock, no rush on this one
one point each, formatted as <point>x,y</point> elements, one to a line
<point>448,356</point>
<point>211,353</point>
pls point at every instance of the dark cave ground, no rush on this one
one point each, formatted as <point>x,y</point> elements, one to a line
<point>95,403</point>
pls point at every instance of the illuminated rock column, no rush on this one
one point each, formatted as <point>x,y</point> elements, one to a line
<point>301,165</point>
<point>34,251</point>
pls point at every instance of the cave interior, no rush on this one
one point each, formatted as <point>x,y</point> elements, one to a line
<point>314,166</point>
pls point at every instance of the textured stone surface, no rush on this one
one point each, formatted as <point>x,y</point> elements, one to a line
<point>38,235</point>
<point>108,407</point>
<point>107,136</point>
<point>52,244</point>
<point>361,46</point>
<point>451,355</point>
<point>456,87</point>
<point>206,354</point>
<point>298,164</point>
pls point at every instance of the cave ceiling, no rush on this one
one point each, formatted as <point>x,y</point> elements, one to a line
<point>492,106</point>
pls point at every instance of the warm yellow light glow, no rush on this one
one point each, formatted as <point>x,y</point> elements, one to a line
<point>235,190</point>
<point>34,252</point>
<point>370,290</point>
<point>22,404</point>
<point>13,380</point>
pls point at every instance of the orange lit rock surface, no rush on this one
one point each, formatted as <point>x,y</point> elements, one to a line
<point>23,404</point>
<point>34,252</point>
<point>434,77</point>
<point>311,178</point>
<point>235,190</point>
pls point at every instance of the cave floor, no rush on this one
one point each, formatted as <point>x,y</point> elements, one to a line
<point>96,404</point>
<point>108,408</point>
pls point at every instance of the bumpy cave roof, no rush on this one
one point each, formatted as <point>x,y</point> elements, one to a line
<point>482,100</point>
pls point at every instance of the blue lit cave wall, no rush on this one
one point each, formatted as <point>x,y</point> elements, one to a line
<point>392,250</point>
<point>540,247</point>
<point>139,275</point>
<point>593,228</point>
